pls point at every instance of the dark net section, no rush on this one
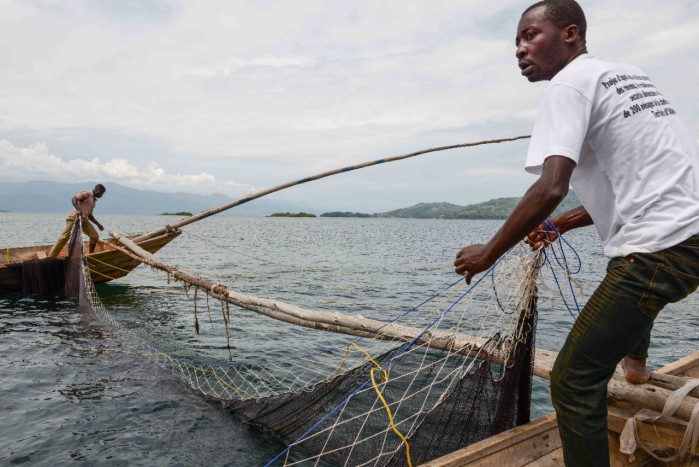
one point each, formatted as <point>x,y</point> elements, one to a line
<point>42,277</point>
<point>74,266</point>
<point>440,401</point>
<point>50,276</point>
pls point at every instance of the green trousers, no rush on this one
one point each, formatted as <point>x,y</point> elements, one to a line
<point>615,322</point>
<point>88,229</point>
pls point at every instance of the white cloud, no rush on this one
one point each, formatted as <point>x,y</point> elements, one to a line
<point>275,90</point>
<point>36,162</point>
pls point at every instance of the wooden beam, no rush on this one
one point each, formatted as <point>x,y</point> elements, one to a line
<point>328,321</point>
<point>643,395</point>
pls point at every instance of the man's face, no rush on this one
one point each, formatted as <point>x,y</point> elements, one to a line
<point>541,51</point>
<point>97,192</point>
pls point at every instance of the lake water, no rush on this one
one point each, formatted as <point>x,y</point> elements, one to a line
<point>73,390</point>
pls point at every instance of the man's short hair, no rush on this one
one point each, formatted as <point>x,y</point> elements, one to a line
<point>100,187</point>
<point>563,13</point>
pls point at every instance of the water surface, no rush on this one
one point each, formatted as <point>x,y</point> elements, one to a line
<point>74,390</point>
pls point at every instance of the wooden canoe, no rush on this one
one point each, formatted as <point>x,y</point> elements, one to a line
<point>537,444</point>
<point>106,263</point>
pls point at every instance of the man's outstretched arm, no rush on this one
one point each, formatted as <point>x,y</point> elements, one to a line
<point>535,206</point>
<point>545,234</point>
<point>94,221</point>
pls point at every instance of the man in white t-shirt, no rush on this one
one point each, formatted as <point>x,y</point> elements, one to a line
<point>606,130</point>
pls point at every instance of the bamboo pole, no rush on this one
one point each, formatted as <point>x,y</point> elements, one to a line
<point>644,395</point>
<point>260,194</point>
<point>326,321</point>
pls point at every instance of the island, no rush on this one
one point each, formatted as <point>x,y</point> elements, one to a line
<point>290,214</point>
<point>346,214</point>
<point>179,213</point>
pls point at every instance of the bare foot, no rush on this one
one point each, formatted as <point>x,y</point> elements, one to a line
<point>635,370</point>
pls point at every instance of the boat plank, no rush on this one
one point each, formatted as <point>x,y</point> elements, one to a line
<point>518,446</point>
<point>687,366</point>
<point>552,459</point>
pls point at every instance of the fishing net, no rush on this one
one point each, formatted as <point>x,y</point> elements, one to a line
<point>49,276</point>
<point>451,371</point>
<point>441,403</point>
<point>43,277</point>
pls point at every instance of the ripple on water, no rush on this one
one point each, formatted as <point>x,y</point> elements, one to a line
<point>74,390</point>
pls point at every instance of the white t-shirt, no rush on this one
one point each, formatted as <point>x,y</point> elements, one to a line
<point>637,171</point>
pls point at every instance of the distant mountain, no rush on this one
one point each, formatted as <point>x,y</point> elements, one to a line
<point>55,197</point>
<point>42,196</point>
<point>498,208</point>
<point>425,211</point>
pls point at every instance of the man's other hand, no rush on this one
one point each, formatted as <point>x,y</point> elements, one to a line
<point>471,260</point>
<point>541,237</point>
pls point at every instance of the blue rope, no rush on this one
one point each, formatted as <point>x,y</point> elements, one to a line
<point>495,290</point>
<point>387,364</point>
<point>551,227</point>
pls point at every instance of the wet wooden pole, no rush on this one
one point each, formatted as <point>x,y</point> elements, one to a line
<point>260,194</point>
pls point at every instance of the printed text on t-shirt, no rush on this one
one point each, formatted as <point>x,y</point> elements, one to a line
<point>641,93</point>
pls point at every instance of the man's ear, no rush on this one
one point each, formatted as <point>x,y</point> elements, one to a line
<point>570,33</point>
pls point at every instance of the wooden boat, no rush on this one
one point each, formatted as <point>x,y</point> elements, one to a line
<point>106,263</point>
<point>537,444</point>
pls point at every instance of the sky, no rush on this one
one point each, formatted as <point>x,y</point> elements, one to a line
<point>234,97</point>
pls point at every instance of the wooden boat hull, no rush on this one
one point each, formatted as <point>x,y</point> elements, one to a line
<point>105,263</point>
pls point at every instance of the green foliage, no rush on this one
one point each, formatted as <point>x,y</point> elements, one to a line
<point>290,214</point>
<point>498,208</point>
<point>179,213</point>
<point>346,214</point>
<point>425,211</point>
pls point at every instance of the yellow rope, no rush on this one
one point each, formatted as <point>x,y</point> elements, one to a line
<point>9,256</point>
<point>390,418</point>
<point>342,363</point>
<point>384,380</point>
<point>384,376</point>
<point>92,258</point>
<point>131,284</point>
<point>222,381</point>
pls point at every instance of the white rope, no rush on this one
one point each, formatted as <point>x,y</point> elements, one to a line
<point>629,436</point>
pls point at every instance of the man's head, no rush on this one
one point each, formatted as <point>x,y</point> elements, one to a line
<point>98,190</point>
<point>550,34</point>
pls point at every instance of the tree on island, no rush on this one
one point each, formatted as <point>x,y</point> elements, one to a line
<point>179,213</point>
<point>290,214</point>
<point>346,214</point>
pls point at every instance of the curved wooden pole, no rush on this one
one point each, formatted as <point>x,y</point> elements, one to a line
<point>260,194</point>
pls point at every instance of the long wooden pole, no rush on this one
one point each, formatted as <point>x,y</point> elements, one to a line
<point>326,321</point>
<point>259,194</point>
<point>645,395</point>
